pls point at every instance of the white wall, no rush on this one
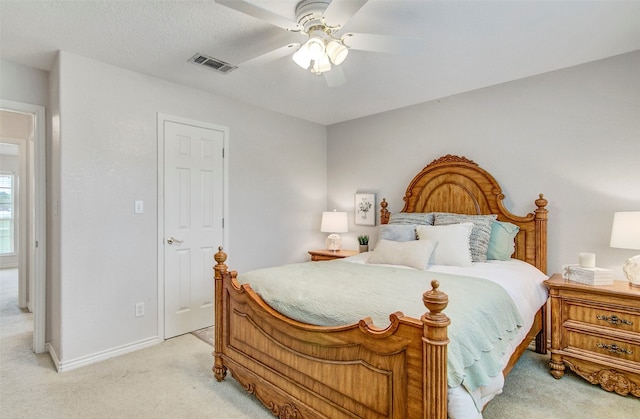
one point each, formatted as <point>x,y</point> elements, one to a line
<point>108,158</point>
<point>24,84</point>
<point>572,134</point>
<point>54,293</point>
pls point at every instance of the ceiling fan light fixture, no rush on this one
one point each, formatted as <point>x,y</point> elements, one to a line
<point>315,46</point>
<point>337,52</point>
<point>301,57</point>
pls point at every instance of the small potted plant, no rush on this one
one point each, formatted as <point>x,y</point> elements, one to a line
<point>364,243</point>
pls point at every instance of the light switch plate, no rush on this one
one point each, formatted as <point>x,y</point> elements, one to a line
<point>139,207</point>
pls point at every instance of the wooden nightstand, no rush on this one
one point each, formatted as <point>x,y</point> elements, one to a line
<point>595,331</point>
<point>324,254</point>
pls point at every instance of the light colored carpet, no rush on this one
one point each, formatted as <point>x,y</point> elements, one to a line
<point>206,335</point>
<point>174,380</point>
<point>531,392</point>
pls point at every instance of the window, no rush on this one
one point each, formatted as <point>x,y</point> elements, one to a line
<point>7,213</point>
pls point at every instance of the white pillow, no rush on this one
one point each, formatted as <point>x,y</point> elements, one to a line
<point>415,254</point>
<point>453,243</point>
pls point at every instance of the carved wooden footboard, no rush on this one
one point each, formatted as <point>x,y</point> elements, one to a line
<point>298,370</point>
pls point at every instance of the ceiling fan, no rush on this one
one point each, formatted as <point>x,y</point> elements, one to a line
<point>324,48</point>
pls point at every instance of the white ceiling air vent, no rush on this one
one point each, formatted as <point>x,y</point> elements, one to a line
<point>212,63</point>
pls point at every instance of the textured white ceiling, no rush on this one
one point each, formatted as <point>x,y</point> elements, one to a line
<point>468,45</point>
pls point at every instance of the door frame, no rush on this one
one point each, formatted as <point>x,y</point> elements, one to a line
<point>38,241</point>
<point>162,119</point>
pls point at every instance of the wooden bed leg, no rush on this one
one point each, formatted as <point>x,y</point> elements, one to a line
<point>434,344</point>
<point>541,337</point>
<point>220,269</point>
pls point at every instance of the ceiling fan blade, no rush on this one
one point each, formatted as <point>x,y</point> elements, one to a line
<point>335,77</point>
<point>383,43</point>
<point>271,55</point>
<point>262,14</point>
<point>340,11</point>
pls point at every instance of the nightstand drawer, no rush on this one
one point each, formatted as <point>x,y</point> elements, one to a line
<point>614,348</point>
<point>618,319</point>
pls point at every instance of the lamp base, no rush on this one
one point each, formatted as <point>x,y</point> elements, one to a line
<point>631,270</point>
<point>334,242</point>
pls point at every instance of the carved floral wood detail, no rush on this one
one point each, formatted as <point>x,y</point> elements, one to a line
<point>287,411</point>
<point>611,380</point>
<point>284,411</point>
<point>450,158</point>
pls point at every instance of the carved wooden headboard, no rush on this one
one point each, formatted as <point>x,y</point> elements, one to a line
<point>457,184</point>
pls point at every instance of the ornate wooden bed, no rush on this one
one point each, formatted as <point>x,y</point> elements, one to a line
<point>303,371</point>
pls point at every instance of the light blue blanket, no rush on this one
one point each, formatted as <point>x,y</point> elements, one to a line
<point>484,318</point>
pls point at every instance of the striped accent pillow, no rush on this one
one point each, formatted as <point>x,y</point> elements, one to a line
<point>416,218</point>
<point>480,233</point>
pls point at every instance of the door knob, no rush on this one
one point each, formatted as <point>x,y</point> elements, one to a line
<point>171,240</point>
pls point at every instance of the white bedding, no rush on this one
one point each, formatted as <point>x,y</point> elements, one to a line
<point>524,283</point>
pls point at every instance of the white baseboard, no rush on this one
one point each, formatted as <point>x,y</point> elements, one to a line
<point>83,361</point>
<point>52,354</point>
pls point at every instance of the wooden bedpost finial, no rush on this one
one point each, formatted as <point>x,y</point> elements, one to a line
<point>435,300</point>
<point>220,267</point>
<point>384,213</point>
<point>541,202</point>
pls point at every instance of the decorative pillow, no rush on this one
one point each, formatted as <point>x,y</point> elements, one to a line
<point>480,235</point>
<point>415,254</point>
<point>420,218</point>
<point>452,243</point>
<point>397,232</point>
<point>502,242</point>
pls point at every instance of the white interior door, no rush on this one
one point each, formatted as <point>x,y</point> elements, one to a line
<point>193,226</point>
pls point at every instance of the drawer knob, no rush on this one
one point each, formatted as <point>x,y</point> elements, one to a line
<point>614,348</point>
<point>614,319</point>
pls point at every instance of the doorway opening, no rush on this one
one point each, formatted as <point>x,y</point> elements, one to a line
<point>22,210</point>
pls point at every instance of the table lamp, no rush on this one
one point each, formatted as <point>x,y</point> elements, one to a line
<point>334,222</point>
<point>625,234</point>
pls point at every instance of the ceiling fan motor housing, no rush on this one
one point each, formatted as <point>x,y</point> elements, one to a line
<point>309,14</point>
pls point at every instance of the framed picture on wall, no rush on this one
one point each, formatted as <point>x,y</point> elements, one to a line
<point>365,209</point>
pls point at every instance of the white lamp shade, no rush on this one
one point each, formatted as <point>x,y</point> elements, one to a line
<point>337,52</point>
<point>315,46</point>
<point>625,233</point>
<point>301,57</point>
<point>334,222</point>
